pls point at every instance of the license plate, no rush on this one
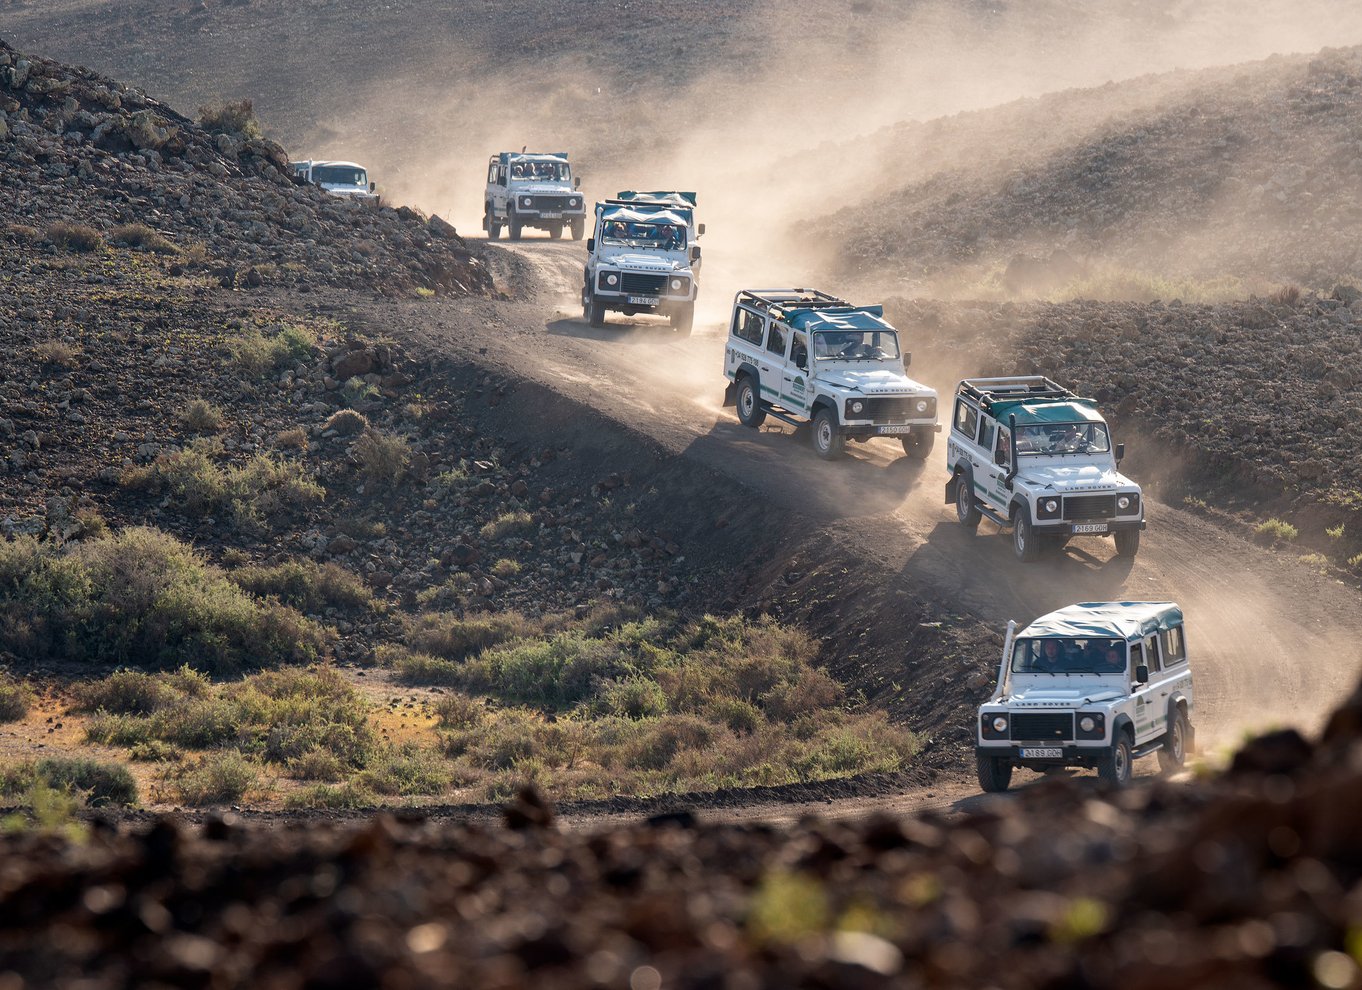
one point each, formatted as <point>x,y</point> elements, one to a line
<point>644,300</point>
<point>1042,754</point>
<point>1090,527</point>
<point>886,431</point>
<point>549,216</point>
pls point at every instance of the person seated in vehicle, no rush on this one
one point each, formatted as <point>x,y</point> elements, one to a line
<point>667,234</point>
<point>616,229</point>
<point>1002,452</point>
<point>518,171</point>
<point>1052,659</point>
<point>1070,440</point>
<point>1113,660</point>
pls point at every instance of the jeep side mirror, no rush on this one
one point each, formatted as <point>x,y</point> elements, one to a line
<point>1120,452</point>
<point>695,252</point>
<point>700,231</point>
<point>373,187</point>
<point>590,244</point>
<point>577,183</point>
<point>907,359</point>
<point>1142,674</point>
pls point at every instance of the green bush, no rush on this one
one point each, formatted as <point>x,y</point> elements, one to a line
<point>405,771</point>
<point>131,692</point>
<point>446,635</point>
<point>346,796</point>
<point>260,355</point>
<point>98,783</point>
<point>382,457</point>
<point>1276,530</point>
<point>305,585</point>
<point>16,698</point>
<point>219,778</point>
<point>422,668</point>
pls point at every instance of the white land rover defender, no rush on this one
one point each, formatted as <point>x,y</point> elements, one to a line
<point>642,258</point>
<point>1094,685</point>
<point>532,190</point>
<point>801,355</point>
<point>1032,455</point>
<point>344,179</point>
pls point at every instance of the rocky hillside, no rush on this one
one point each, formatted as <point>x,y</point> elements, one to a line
<point>1235,179</point>
<point>101,161</point>
<point>1249,878</point>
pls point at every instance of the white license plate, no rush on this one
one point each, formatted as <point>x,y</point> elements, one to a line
<point>549,216</point>
<point>1090,527</point>
<point>1042,754</point>
<point>644,300</point>
<point>886,431</point>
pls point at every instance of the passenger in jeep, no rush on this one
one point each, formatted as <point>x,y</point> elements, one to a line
<point>1051,659</point>
<point>1112,662</point>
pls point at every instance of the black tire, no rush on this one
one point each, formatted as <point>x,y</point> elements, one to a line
<point>919,443</point>
<point>1115,767</point>
<point>683,319</point>
<point>1173,755</point>
<point>513,225</point>
<point>578,228</point>
<point>1026,543</point>
<point>595,312</point>
<point>966,508</point>
<point>491,224</point>
<point>555,231</point>
<point>750,411</point>
<point>1127,542</point>
<point>994,774</point>
<point>828,442</point>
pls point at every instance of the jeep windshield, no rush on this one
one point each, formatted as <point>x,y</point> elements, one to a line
<point>540,172</point>
<point>1063,438</point>
<point>648,235</point>
<point>1069,656</point>
<point>340,175</point>
<point>856,345</point>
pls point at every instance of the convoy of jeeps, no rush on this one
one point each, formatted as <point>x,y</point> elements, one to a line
<point>1094,685</point>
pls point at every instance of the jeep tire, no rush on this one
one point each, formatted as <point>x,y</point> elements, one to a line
<point>750,412</point>
<point>595,311</point>
<point>513,225</point>
<point>491,224</point>
<point>1127,542</point>
<point>828,442</point>
<point>683,318</point>
<point>994,774</point>
<point>1173,754</point>
<point>1026,542</point>
<point>578,228</point>
<point>918,443</point>
<point>1115,765</point>
<point>555,231</point>
<point>966,509</point>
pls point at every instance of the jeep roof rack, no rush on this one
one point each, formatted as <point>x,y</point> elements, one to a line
<point>1022,388</point>
<point>790,298</point>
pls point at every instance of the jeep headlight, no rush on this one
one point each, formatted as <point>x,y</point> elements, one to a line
<point>922,405</point>
<point>574,203</point>
<point>1086,723</point>
<point>612,279</point>
<point>525,201</point>
<point>1000,724</point>
<point>1128,504</point>
<point>677,284</point>
<point>1051,505</point>
<point>1047,508</point>
<point>1123,502</point>
<point>858,406</point>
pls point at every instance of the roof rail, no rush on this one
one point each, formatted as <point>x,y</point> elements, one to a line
<point>790,298</point>
<point>1025,388</point>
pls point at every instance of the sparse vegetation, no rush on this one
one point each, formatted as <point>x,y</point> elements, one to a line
<point>1276,530</point>
<point>139,235</point>
<point>1287,295</point>
<point>57,353</point>
<point>382,457</point>
<point>1316,560</point>
<point>306,585</point>
<point>141,598</point>
<point>231,117</point>
<point>356,392</point>
<point>260,355</point>
<point>345,422</point>
<point>1335,532</point>
<point>506,523</point>
<point>16,698</point>
<point>74,237</point>
<point>202,416</point>
<point>93,782</point>
<point>506,568</point>
<point>294,438</point>
<point>220,777</point>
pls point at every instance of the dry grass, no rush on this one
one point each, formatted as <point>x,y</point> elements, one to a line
<point>382,457</point>
<point>345,422</point>
<point>231,117</point>
<point>16,698</point>
<point>139,235</point>
<point>505,524</point>
<point>57,353</point>
<point>202,416</point>
<point>294,438</point>
<point>74,237</point>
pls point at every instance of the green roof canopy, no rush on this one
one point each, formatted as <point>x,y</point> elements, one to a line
<point>1040,413</point>
<point>1106,620</point>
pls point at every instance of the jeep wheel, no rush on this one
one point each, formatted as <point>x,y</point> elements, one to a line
<point>1114,767</point>
<point>918,444</point>
<point>828,442</point>
<point>966,509</point>
<point>491,225</point>
<point>555,231</point>
<point>994,774</point>
<point>1127,542</point>
<point>750,412</point>
<point>595,312</point>
<point>513,225</point>
<point>578,227</point>
<point>1174,752</point>
<point>1025,541</point>
<point>683,319</point>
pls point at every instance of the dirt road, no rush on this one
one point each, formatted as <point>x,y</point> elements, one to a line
<point>1274,641</point>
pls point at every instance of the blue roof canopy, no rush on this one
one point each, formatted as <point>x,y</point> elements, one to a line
<point>1041,413</point>
<point>836,318</point>
<point>1106,620</point>
<point>681,199</point>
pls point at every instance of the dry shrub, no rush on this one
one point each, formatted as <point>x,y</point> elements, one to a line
<point>139,235</point>
<point>382,457</point>
<point>202,416</point>
<point>16,698</point>
<point>1287,295</point>
<point>505,523</point>
<point>23,233</point>
<point>453,638</point>
<point>74,237</point>
<point>196,255</point>
<point>345,422</point>
<point>219,778</point>
<point>306,585</point>
<point>231,117</point>
<point>57,353</point>
<point>294,438</point>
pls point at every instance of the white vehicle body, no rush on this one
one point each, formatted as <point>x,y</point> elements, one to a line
<point>346,180</point>
<point>802,356</point>
<point>1096,685</point>
<point>642,258</point>
<point>1031,455</point>
<point>532,190</point>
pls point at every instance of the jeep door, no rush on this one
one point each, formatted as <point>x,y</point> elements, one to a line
<point>994,443</point>
<point>772,363</point>
<point>1151,698</point>
<point>746,341</point>
<point>797,390</point>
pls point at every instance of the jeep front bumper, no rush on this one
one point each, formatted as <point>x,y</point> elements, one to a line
<point>1085,527</point>
<point>896,429</point>
<point>1057,754</point>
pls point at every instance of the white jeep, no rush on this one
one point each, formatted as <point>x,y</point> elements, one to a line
<point>344,179</point>
<point>532,190</point>
<point>1032,455</point>
<point>642,258</point>
<point>1096,685</point>
<point>800,355</point>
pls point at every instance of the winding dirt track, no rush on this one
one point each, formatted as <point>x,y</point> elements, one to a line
<point>1273,641</point>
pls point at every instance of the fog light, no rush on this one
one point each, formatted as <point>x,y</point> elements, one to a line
<point>857,406</point>
<point>922,405</point>
<point>1123,502</point>
<point>1000,724</point>
<point>611,279</point>
<point>1051,505</point>
<point>1086,723</point>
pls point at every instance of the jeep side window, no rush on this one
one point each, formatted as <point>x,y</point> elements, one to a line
<point>492,175</point>
<point>1136,658</point>
<point>775,339</point>
<point>1002,450</point>
<point>748,326</point>
<point>966,418</point>
<point>1151,652</point>
<point>799,351</point>
<point>1173,651</point>
<point>986,434</point>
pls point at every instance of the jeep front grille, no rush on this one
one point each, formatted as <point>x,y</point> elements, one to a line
<point>1042,726</point>
<point>549,204</point>
<point>642,285</point>
<point>895,408</point>
<point>1090,507</point>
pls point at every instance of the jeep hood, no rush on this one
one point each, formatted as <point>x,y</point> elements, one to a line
<point>1070,693</point>
<point>872,381</point>
<point>645,261</point>
<point>539,188</point>
<point>1054,475</point>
